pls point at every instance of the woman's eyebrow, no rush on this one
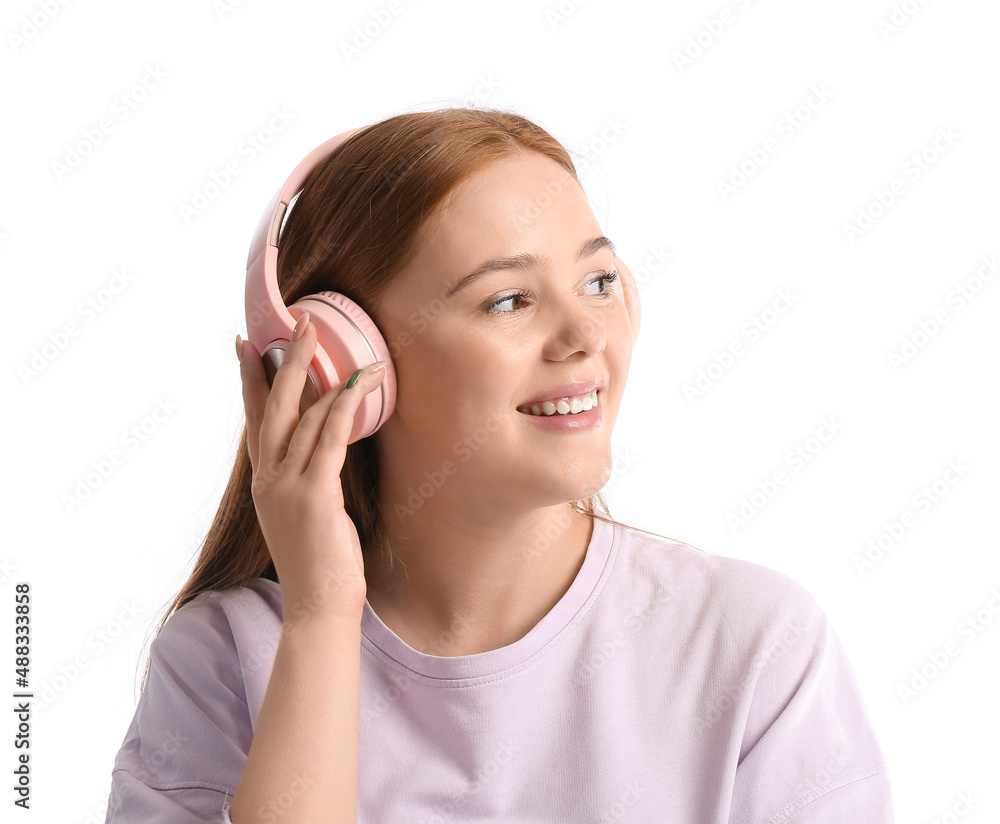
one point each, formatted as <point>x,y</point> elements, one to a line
<point>527,260</point>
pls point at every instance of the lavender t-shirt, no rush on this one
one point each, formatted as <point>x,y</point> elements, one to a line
<point>667,686</point>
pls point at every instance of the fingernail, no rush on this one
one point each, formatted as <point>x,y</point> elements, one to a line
<point>353,379</point>
<point>376,366</point>
<point>239,348</point>
<point>300,327</point>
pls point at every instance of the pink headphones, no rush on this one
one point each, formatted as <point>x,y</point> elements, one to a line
<point>347,338</point>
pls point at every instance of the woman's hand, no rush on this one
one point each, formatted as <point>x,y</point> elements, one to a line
<point>296,479</point>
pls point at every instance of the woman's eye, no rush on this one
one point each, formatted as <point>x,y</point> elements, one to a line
<point>606,279</point>
<point>493,306</point>
<point>497,307</point>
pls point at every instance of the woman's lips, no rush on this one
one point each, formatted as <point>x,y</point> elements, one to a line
<point>568,422</point>
<point>565,392</point>
<point>565,405</point>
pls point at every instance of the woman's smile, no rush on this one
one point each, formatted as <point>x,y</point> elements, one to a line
<point>569,414</point>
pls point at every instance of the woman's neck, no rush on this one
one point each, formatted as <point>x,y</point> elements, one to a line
<point>463,587</point>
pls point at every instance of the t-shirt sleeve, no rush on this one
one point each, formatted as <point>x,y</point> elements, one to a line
<point>184,752</point>
<point>809,753</point>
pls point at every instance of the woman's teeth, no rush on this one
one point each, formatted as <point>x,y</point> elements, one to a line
<point>562,406</point>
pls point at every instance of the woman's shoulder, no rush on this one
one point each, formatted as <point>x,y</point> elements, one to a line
<point>708,584</point>
<point>234,618</point>
<point>251,601</point>
<point>225,637</point>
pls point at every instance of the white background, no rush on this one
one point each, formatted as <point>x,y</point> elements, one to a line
<point>658,135</point>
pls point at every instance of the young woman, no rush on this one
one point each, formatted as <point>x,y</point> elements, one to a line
<point>441,621</point>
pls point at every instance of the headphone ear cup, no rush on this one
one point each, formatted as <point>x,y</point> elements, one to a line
<point>631,294</point>
<point>347,339</point>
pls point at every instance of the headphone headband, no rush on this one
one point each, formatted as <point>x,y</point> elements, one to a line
<point>262,294</point>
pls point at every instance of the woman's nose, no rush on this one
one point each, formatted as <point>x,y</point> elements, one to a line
<point>572,328</point>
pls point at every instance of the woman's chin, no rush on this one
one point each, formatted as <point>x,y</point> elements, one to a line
<point>577,489</point>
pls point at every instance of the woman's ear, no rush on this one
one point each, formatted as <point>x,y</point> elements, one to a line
<point>631,292</point>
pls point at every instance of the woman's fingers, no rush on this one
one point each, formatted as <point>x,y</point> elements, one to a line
<point>281,412</point>
<point>303,441</point>
<point>329,446</point>
<point>277,440</point>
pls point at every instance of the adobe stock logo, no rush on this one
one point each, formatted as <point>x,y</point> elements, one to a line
<point>800,456</point>
<point>902,13</point>
<point>787,126</point>
<point>914,168</point>
<point>32,26</point>
<point>937,661</point>
<point>923,501</point>
<point>707,36</point>
<point>121,108</point>
<point>752,330</point>
<point>245,152</point>
<point>377,22</point>
<point>930,326</point>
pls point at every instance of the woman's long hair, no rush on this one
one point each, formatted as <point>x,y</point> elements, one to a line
<point>353,227</point>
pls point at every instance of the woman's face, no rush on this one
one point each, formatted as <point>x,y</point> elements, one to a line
<point>469,360</point>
